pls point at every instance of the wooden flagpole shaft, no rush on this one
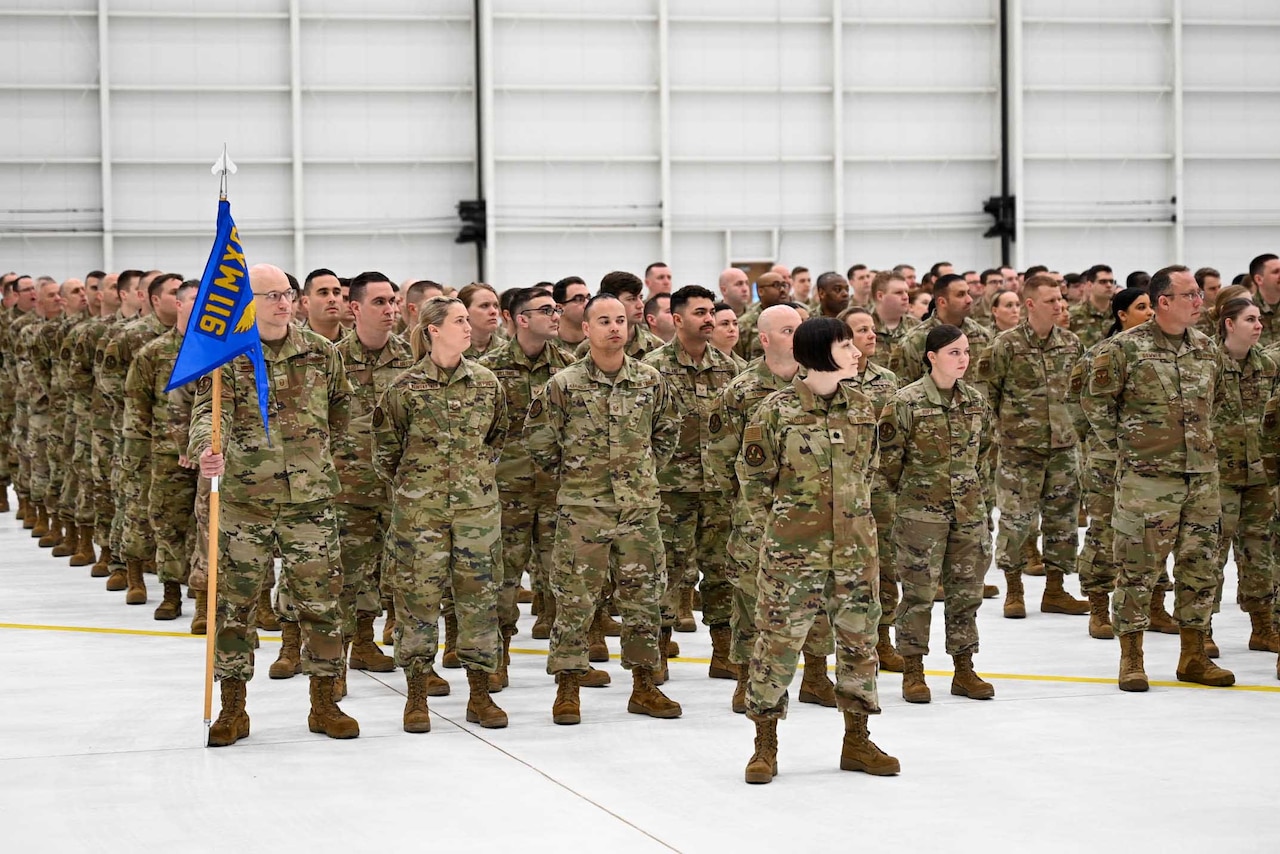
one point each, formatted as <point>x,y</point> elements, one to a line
<point>211,606</point>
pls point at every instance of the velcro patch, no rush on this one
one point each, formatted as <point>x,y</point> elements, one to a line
<point>887,432</point>
<point>378,416</point>
<point>204,385</point>
<point>753,433</point>
<point>535,408</point>
<point>753,454</point>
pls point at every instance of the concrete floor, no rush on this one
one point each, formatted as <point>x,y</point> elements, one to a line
<point>101,750</point>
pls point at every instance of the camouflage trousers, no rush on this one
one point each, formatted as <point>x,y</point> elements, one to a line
<point>528,537</point>
<point>883,504</point>
<point>119,503</point>
<point>1032,485</point>
<point>104,479</point>
<point>58,453</point>
<point>307,536</point>
<point>69,491</point>
<point>1153,517</point>
<point>955,553</point>
<point>198,574</point>
<point>7,456</point>
<point>744,579</point>
<point>595,546</point>
<point>429,552</point>
<point>1247,513</point>
<point>21,470</point>
<point>82,463</point>
<point>695,534</point>
<point>39,428</point>
<point>842,581</point>
<point>170,514</point>
<point>1096,562</point>
<point>362,530</point>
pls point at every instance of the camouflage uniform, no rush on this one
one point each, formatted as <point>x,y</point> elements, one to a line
<point>1096,562</point>
<point>1270,317</point>
<point>62,479</point>
<point>34,346</point>
<point>118,347</point>
<point>101,467</point>
<point>8,369</point>
<point>76,500</point>
<point>278,495</point>
<point>640,343</point>
<point>156,434</point>
<point>933,449</point>
<point>907,359</point>
<point>528,495</point>
<point>734,408</point>
<point>437,437</point>
<point>1246,477</point>
<point>888,340</point>
<point>695,510</point>
<point>880,384</point>
<point>1028,385</point>
<point>1089,324</point>
<point>21,403</point>
<point>1150,398</point>
<point>748,346</point>
<point>604,439</point>
<point>364,504</point>
<point>805,470</point>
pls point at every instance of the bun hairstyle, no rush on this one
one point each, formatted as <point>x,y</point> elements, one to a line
<point>1225,296</point>
<point>432,313</point>
<point>1121,302</point>
<point>939,337</point>
<point>1230,304</point>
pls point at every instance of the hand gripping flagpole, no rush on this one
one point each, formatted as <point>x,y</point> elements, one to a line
<point>222,167</point>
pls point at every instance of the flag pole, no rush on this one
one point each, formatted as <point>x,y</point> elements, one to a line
<point>223,167</point>
<point>211,598</point>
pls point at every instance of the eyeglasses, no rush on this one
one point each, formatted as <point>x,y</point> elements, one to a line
<point>580,298</point>
<point>273,297</point>
<point>545,311</point>
<point>1190,296</point>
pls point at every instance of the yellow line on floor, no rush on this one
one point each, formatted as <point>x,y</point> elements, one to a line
<point>1016,677</point>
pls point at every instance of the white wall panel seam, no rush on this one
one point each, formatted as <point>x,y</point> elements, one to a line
<point>104,134</point>
<point>295,117</point>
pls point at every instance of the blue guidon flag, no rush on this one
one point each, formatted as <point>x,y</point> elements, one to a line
<point>223,321</point>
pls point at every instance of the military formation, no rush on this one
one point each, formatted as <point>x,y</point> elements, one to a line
<point>810,470</point>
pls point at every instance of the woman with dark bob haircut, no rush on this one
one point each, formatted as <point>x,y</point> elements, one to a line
<point>935,436</point>
<point>805,469</point>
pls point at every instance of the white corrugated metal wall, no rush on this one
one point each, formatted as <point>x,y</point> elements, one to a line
<point>816,132</point>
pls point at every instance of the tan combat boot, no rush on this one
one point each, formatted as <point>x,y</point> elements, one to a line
<point>1015,607</point>
<point>967,683</point>
<point>859,753</point>
<point>1161,620</point>
<point>597,648</point>
<point>566,710</point>
<point>137,587</point>
<point>199,623</point>
<point>1033,561</point>
<point>889,659</point>
<point>170,607</point>
<point>31,516</point>
<point>117,579</point>
<point>673,648</point>
<point>480,707</point>
<point>233,722</point>
<point>524,596</point>
<point>365,654</point>
<point>4,500</point>
<point>102,567</point>
<point>763,765</point>
<point>499,678</point>
<point>1263,637</point>
<point>914,688</point>
<point>646,699</point>
<point>289,663</point>
<point>53,537</point>
<point>612,628</point>
<point>1100,617</point>
<point>41,529</point>
<point>1056,600</point>
<point>546,618</point>
<point>417,718</point>
<point>84,555</point>
<point>990,591</point>
<point>340,681</point>
<point>70,542</point>
<point>264,616</point>
<point>450,658</point>
<point>684,611</point>
<point>815,686</point>
<point>664,643</point>
<point>721,667</point>
<point>1194,665</point>
<point>739,702</point>
<point>389,625</point>
<point>1132,675</point>
<point>437,685</point>
<point>1210,647</point>
<point>940,595</point>
<point>594,678</point>
<point>325,716</point>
